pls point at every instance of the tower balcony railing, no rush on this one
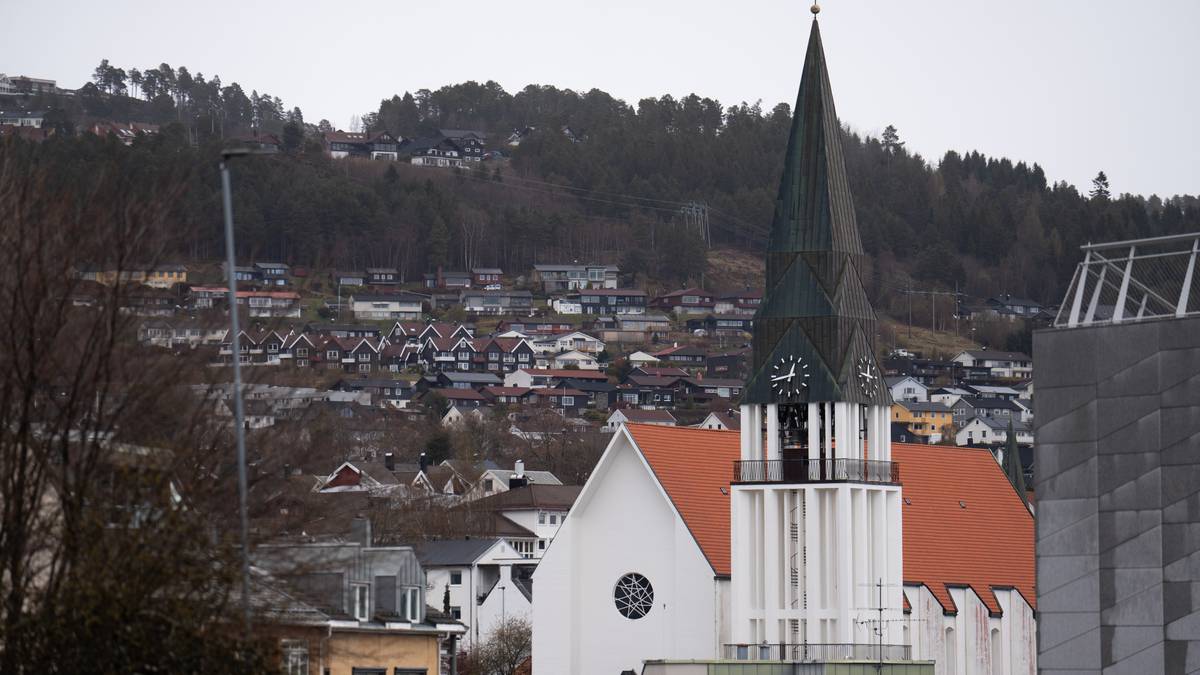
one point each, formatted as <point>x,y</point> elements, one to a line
<point>838,470</point>
<point>816,653</point>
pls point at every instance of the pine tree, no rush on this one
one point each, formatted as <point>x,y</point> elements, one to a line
<point>1100,187</point>
<point>891,140</point>
<point>1012,463</point>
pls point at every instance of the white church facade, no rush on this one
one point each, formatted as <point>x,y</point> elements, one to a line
<point>658,506</point>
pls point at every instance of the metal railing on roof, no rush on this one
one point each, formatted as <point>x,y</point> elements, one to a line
<point>1133,280</point>
<point>816,653</point>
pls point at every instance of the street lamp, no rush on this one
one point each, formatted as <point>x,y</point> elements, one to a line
<point>239,413</point>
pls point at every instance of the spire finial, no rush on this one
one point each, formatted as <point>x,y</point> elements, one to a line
<point>815,9</point>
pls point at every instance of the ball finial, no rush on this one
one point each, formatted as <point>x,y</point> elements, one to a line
<point>815,9</point>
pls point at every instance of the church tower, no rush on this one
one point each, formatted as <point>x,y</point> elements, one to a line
<point>816,532</point>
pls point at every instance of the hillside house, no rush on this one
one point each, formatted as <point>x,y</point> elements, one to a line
<point>437,151</point>
<point>967,407</point>
<point>378,145</point>
<point>494,303</point>
<point>471,144</point>
<point>928,421</point>
<point>722,324</point>
<point>741,302</point>
<point>382,276</point>
<point>487,278</point>
<point>387,306</point>
<point>609,301</point>
<point>1005,365</point>
<point>905,388</point>
<point>686,301</point>
<point>272,273</point>
<point>623,416</point>
<point>442,279</point>
<point>992,431</point>
<point>559,278</point>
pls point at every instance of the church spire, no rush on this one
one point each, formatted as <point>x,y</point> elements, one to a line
<point>814,307</point>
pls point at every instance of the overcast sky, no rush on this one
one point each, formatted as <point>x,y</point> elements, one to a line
<point>1075,85</point>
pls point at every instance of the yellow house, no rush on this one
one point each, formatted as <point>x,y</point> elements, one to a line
<point>160,276</point>
<point>350,608</point>
<point>166,276</point>
<point>931,421</point>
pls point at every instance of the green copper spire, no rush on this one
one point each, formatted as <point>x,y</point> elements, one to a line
<point>814,307</point>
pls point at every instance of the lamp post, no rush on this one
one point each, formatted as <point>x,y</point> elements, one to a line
<point>239,413</point>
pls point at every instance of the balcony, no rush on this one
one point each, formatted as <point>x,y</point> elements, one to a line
<point>843,470</point>
<point>816,653</point>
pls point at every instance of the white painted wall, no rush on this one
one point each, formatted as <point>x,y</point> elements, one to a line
<point>622,523</point>
<point>477,579</point>
<point>971,628</point>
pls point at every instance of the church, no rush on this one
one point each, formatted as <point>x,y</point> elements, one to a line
<point>808,536</point>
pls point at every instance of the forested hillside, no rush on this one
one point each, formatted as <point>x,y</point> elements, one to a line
<point>597,178</point>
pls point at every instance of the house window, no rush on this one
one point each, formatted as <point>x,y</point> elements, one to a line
<point>295,656</point>
<point>568,401</point>
<point>487,485</point>
<point>455,613</point>
<point>522,547</point>
<point>541,518</point>
<point>302,352</point>
<point>364,367</point>
<point>523,357</point>
<point>272,348</point>
<point>410,596</point>
<point>244,358</point>
<point>541,544</point>
<point>365,356</point>
<point>456,578</point>
<point>362,608</point>
<point>332,355</point>
<point>553,519</point>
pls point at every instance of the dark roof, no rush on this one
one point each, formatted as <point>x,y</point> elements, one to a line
<point>639,415</point>
<point>452,552</point>
<point>991,403</point>
<point>472,378</point>
<point>387,297</point>
<point>531,497</point>
<point>999,356</point>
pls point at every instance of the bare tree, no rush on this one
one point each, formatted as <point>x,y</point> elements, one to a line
<point>113,482</point>
<point>507,647</point>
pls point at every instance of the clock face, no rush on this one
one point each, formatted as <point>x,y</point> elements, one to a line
<point>868,377</point>
<point>789,376</point>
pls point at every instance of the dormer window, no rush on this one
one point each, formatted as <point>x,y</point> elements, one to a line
<point>362,596</point>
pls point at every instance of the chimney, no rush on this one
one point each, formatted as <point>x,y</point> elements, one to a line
<point>360,531</point>
<point>389,461</point>
<point>518,478</point>
<point>440,283</point>
<point>424,460</point>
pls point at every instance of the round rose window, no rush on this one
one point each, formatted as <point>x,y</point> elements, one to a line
<point>633,595</point>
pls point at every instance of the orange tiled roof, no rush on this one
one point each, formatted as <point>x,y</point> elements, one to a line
<point>695,486</point>
<point>985,544</point>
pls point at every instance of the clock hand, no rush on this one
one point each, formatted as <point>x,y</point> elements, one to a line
<point>783,377</point>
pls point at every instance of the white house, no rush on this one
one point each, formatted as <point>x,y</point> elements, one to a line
<point>539,509</point>
<point>720,421</point>
<point>1012,365</point>
<point>566,306</point>
<point>967,542</point>
<point>495,481</point>
<point>562,342</point>
<point>571,359</point>
<point>377,306</point>
<point>948,396</point>
<point>485,578</point>
<point>992,431</point>
<point>907,388</point>
<point>639,358</point>
<point>623,416</point>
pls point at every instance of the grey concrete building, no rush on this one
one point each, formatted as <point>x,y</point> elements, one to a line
<point>1118,465</point>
